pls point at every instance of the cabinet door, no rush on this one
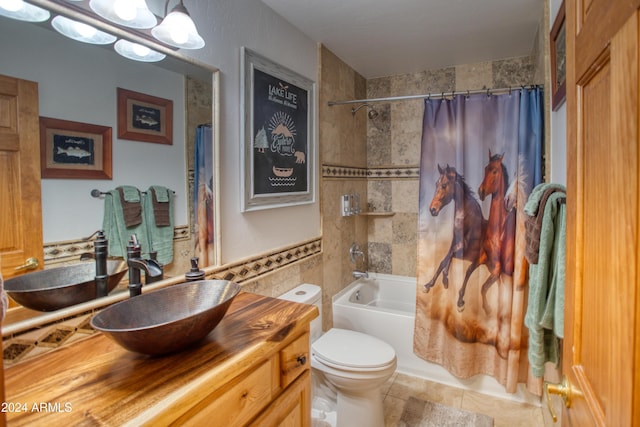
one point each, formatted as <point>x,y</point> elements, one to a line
<point>600,349</point>
<point>20,205</point>
<point>235,404</point>
<point>292,408</point>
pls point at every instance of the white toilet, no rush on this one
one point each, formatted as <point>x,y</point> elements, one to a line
<point>354,364</point>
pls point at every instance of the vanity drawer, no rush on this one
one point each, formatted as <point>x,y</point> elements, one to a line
<point>234,405</point>
<point>294,360</point>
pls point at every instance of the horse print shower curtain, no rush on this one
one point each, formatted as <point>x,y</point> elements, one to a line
<point>203,197</point>
<point>481,157</point>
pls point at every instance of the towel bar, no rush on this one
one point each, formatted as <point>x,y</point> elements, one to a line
<point>97,193</point>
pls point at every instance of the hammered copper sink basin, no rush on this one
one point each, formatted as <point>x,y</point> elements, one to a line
<point>169,319</point>
<point>55,288</point>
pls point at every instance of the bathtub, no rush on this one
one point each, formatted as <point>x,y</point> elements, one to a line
<point>384,306</point>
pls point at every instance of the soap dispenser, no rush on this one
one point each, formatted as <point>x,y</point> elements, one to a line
<point>195,273</point>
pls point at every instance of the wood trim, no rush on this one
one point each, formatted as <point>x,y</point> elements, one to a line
<point>602,20</point>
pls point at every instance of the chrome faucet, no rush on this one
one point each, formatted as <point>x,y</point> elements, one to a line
<point>355,252</point>
<point>360,274</point>
<point>153,270</point>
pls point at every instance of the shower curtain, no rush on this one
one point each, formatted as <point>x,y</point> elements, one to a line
<point>203,196</point>
<point>481,156</point>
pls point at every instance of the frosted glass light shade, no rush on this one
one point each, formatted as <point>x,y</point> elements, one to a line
<point>178,30</point>
<point>129,13</point>
<point>137,52</point>
<point>17,9</point>
<point>80,31</point>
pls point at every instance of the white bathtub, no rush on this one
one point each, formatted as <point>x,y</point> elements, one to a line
<point>384,306</point>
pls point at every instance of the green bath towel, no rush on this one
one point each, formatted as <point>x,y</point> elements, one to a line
<point>545,308</point>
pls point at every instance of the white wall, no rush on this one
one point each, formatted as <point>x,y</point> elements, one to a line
<point>226,26</point>
<point>558,124</point>
<point>80,85</point>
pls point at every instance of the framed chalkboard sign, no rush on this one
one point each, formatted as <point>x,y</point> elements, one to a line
<point>278,135</point>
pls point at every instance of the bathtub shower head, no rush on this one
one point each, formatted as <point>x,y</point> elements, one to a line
<point>372,114</point>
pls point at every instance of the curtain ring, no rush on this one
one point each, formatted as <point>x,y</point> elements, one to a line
<point>488,93</point>
<point>509,90</point>
<point>467,93</point>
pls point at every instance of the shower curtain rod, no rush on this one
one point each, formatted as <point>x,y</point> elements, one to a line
<point>431,95</point>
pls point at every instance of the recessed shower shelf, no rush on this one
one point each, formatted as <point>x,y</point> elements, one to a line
<point>377,213</point>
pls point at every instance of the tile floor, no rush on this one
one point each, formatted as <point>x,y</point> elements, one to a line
<point>505,413</point>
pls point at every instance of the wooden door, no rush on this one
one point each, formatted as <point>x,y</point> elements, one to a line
<point>602,278</point>
<point>20,204</point>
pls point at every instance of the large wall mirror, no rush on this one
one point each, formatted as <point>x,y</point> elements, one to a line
<point>78,82</point>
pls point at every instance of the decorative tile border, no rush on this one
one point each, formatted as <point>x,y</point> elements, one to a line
<point>70,250</point>
<point>21,346</point>
<point>330,171</point>
<point>391,172</point>
<point>244,271</point>
<point>396,172</point>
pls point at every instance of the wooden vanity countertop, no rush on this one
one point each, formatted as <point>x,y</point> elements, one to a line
<point>96,382</point>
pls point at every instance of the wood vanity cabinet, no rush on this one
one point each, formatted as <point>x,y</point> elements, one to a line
<point>278,392</point>
<point>252,370</point>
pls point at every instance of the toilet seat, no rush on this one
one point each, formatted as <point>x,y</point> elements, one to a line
<point>341,348</point>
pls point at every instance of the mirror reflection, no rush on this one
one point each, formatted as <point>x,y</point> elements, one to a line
<point>78,82</point>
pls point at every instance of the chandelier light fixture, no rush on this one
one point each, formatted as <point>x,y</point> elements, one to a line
<point>177,29</point>
<point>80,31</point>
<point>137,52</point>
<point>17,9</point>
<point>128,13</point>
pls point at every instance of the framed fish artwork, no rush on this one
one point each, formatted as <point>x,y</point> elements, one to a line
<point>74,150</point>
<point>145,118</point>
<point>278,134</point>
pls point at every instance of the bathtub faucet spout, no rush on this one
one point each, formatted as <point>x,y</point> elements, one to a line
<point>360,274</point>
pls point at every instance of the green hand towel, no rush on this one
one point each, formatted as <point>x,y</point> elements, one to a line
<point>115,229</point>
<point>162,193</point>
<point>131,194</point>
<point>160,237</point>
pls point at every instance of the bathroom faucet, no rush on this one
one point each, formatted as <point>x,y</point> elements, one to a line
<point>360,274</point>
<point>355,252</point>
<point>153,270</point>
<point>100,254</point>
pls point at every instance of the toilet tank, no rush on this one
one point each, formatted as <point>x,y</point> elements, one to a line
<point>308,294</point>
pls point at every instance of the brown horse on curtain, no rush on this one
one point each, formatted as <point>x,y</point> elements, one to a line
<point>499,242</point>
<point>469,225</point>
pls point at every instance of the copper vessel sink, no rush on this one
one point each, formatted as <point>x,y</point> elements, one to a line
<point>169,319</point>
<point>55,288</point>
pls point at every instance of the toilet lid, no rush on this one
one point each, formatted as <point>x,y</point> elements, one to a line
<point>353,349</point>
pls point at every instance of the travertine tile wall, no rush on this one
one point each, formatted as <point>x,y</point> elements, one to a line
<point>343,142</point>
<point>393,142</point>
<point>380,156</point>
